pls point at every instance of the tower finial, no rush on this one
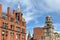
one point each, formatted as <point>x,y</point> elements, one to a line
<point>18,9</point>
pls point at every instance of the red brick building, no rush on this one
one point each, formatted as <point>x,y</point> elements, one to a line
<point>38,33</point>
<point>12,25</point>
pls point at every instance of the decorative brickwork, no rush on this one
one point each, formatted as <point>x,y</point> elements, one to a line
<point>9,23</point>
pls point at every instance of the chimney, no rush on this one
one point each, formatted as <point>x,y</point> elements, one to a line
<point>0,10</point>
<point>8,11</point>
<point>14,12</point>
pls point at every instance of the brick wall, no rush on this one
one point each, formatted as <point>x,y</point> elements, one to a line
<point>38,33</point>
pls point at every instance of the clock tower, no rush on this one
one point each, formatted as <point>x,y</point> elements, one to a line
<point>49,28</point>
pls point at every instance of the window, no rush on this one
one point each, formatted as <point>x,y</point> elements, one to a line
<point>23,35</point>
<point>3,32</point>
<point>17,28</point>
<point>17,36</point>
<point>6,33</point>
<point>22,30</point>
<point>23,23</point>
<point>5,25</point>
<point>12,35</point>
<point>17,16</point>
<point>17,21</point>
<point>47,29</point>
<point>2,38</point>
<point>11,19</point>
<point>12,27</point>
<point>48,24</point>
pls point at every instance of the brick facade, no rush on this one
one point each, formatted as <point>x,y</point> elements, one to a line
<point>12,27</point>
<point>38,33</point>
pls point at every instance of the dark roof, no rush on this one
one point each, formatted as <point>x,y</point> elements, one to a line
<point>3,13</point>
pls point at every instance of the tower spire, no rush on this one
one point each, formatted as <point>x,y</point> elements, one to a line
<point>29,36</point>
<point>18,8</point>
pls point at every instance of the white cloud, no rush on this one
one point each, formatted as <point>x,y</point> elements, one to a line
<point>11,1</point>
<point>36,25</point>
<point>54,5</point>
<point>44,6</point>
<point>57,27</point>
<point>28,19</point>
<point>29,15</point>
<point>29,7</point>
<point>47,5</point>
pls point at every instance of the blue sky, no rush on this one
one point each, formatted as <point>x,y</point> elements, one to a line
<point>35,11</point>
